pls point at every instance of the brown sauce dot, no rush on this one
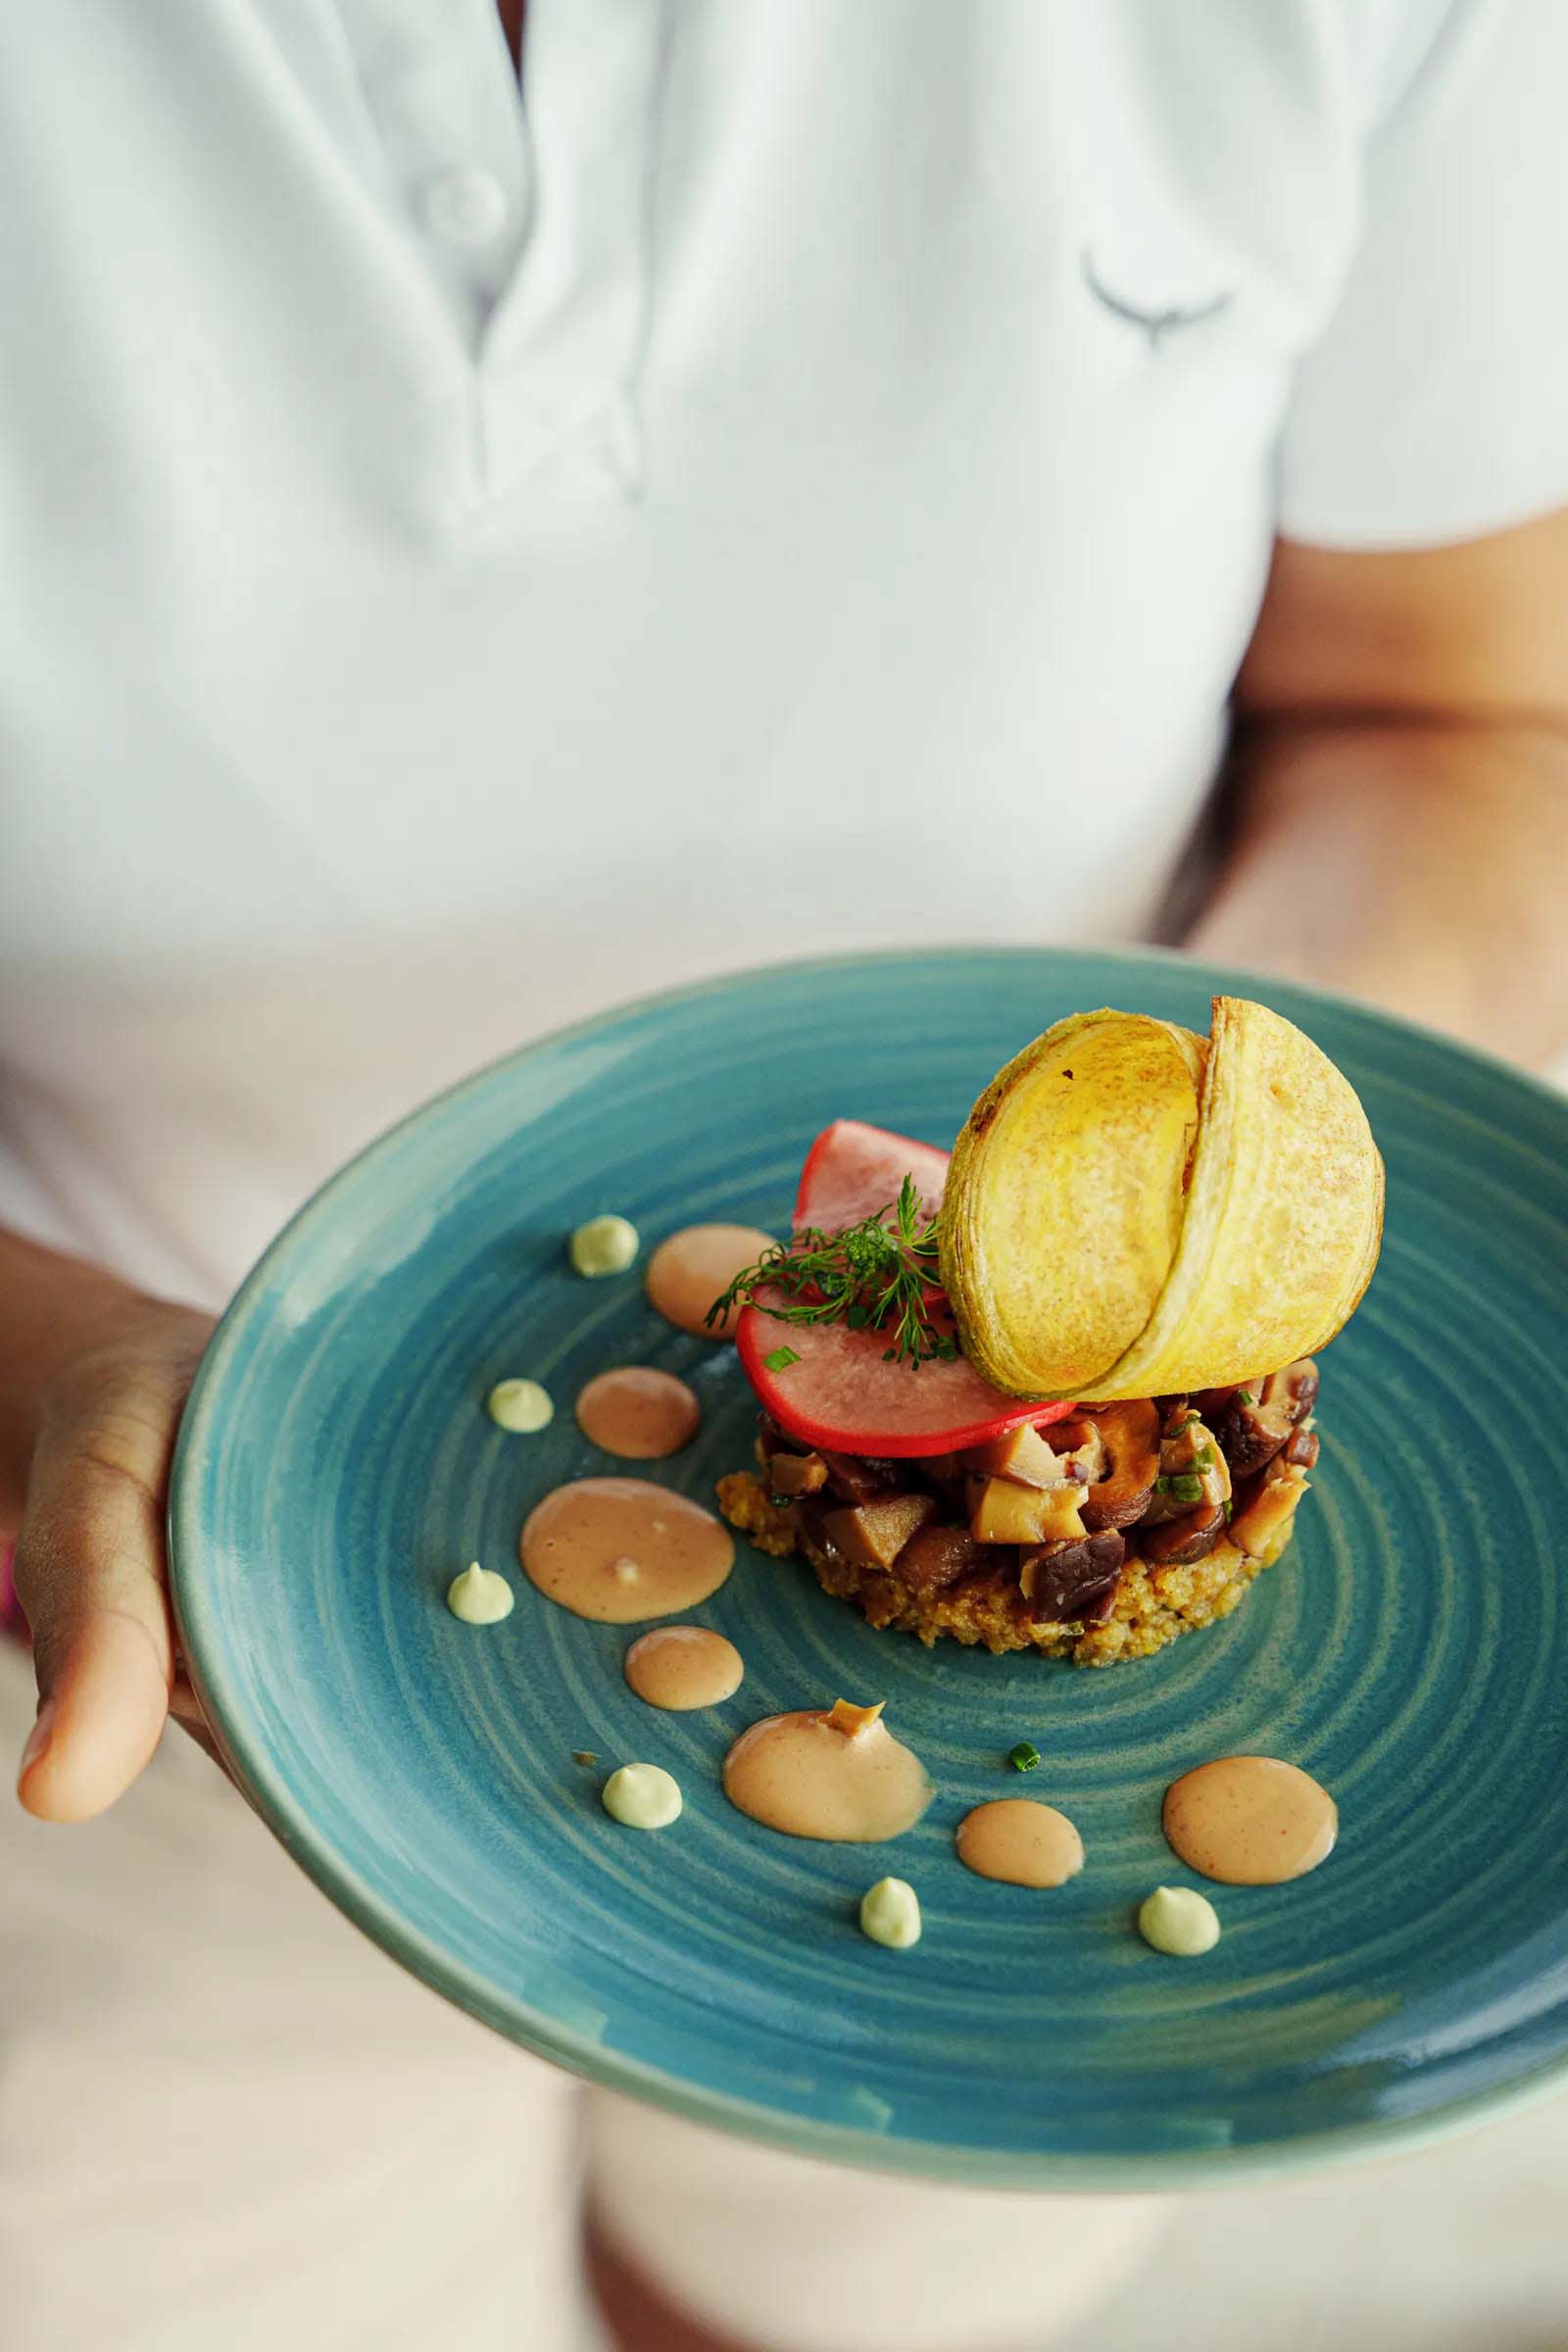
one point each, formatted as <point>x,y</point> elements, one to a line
<point>680,1667</point>
<point>1250,1821</point>
<point>638,1413</point>
<point>620,1549</point>
<point>1021,1842</point>
<point>692,1268</point>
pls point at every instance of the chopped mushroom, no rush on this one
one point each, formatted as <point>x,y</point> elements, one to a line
<point>1001,1512</point>
<point>1258,1419</point>
<point>939,1556</point>
<point>1296,1388</point>
<point>1193,1474</point>
<point>792,1475</point>
<point>1073,1584</point>
<point>1269,1511</point>
<point>1021,1453</point>
<point>1179,1542</point>
<point>859,1478</point>
<point>1250,1432</point>
<point>873,1533</point>
<point>1129,1435</point>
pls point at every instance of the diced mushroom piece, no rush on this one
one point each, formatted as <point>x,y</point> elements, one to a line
<point>939,1556</point>
<point>856,1478</point>
<point>1302,1451</point>
<point>844,1717</point>
<point>1079,1448</point>
<point>1193,1474</point>
<point>1177,1543</point>
<point>873,1533</point>
<point>1001,1512</point>
<point>1295,1388</point>
<point>1130,1436</point>
<point>1073,1583</point>
<point>1260,1416</point>
<point>1270,1510</point>
<point>1250,1432</point>
<point>1021,1454</point>
<point>792,1475</point>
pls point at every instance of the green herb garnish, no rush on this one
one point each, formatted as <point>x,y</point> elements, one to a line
<point>879,1275</point>
<point>1244,1397</point>
<point>1186,1487</point>
<point>1229,1507</point>
<point>781,1359</point>
<point>1024,1757</point>
<point>1203,1458</point>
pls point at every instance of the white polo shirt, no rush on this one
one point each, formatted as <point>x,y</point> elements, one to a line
<point>798,474</point>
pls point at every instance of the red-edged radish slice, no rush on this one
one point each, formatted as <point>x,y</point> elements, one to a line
<point>852,1170</point>
<point>842,1393</point>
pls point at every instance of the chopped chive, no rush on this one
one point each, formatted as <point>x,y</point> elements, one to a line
<point>583,1755</point>
<point>1185,1489</point>
<point>1203,1459</point>
<point>781,1359</point>
<point>1229,1507</point>
<point>1244,1397</point>
<point>1024,1757</point>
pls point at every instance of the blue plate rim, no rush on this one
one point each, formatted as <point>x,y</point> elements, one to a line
<point>516,2021</point>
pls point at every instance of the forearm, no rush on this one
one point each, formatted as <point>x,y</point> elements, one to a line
<point>53,1308</point>
<point>1424,867</point>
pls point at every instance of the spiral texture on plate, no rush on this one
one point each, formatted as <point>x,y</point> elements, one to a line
<point>337,1468</point>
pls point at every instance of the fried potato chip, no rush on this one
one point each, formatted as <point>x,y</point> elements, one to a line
<point>1064,1203</point>
<point>1170,1218</point>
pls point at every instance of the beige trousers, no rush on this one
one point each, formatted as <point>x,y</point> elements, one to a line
<point>229,2124</point>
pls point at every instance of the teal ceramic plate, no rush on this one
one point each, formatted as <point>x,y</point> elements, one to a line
<point>336,1468</point>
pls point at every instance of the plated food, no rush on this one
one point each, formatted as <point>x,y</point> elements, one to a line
<point>1106,1215</point>
<point>1058,1393</point>
<point>443,1781</point>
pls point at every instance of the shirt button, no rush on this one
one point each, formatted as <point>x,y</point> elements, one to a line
<point>465,206</point>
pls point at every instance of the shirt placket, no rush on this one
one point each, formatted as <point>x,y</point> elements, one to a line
<point>560,357</point>
<point>531,211</point>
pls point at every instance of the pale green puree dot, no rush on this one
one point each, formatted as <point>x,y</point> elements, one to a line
<point>604,1245</point>
<point>890,1914</point>
<point>519,1406</point>
<point>1180,1921</point>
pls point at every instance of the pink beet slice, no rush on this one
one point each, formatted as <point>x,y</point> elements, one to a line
<point>843,1393</point>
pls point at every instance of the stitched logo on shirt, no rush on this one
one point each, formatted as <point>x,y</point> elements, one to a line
<point>1155,324</point>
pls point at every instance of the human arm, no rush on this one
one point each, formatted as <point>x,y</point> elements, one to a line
<point>92,1379</point>
<point>1400,813</point>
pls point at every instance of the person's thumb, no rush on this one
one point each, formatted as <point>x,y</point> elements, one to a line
<point>90,1573</point>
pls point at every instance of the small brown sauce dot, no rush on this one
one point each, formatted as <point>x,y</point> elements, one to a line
<point>620,1549</point>
<point>692,1268</point>
<point>798,1773</point>
<point>1250,1821</point>
<point>678,1667</point>
<point>638,1413</point>
<point>1020,1842</point>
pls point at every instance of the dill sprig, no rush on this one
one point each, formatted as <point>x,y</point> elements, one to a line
<point>879,1275</point>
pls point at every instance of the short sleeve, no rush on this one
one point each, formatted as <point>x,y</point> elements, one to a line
<point>1435,406</point>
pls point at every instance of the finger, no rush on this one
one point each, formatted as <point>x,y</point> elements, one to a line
<point>89,1575</point>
